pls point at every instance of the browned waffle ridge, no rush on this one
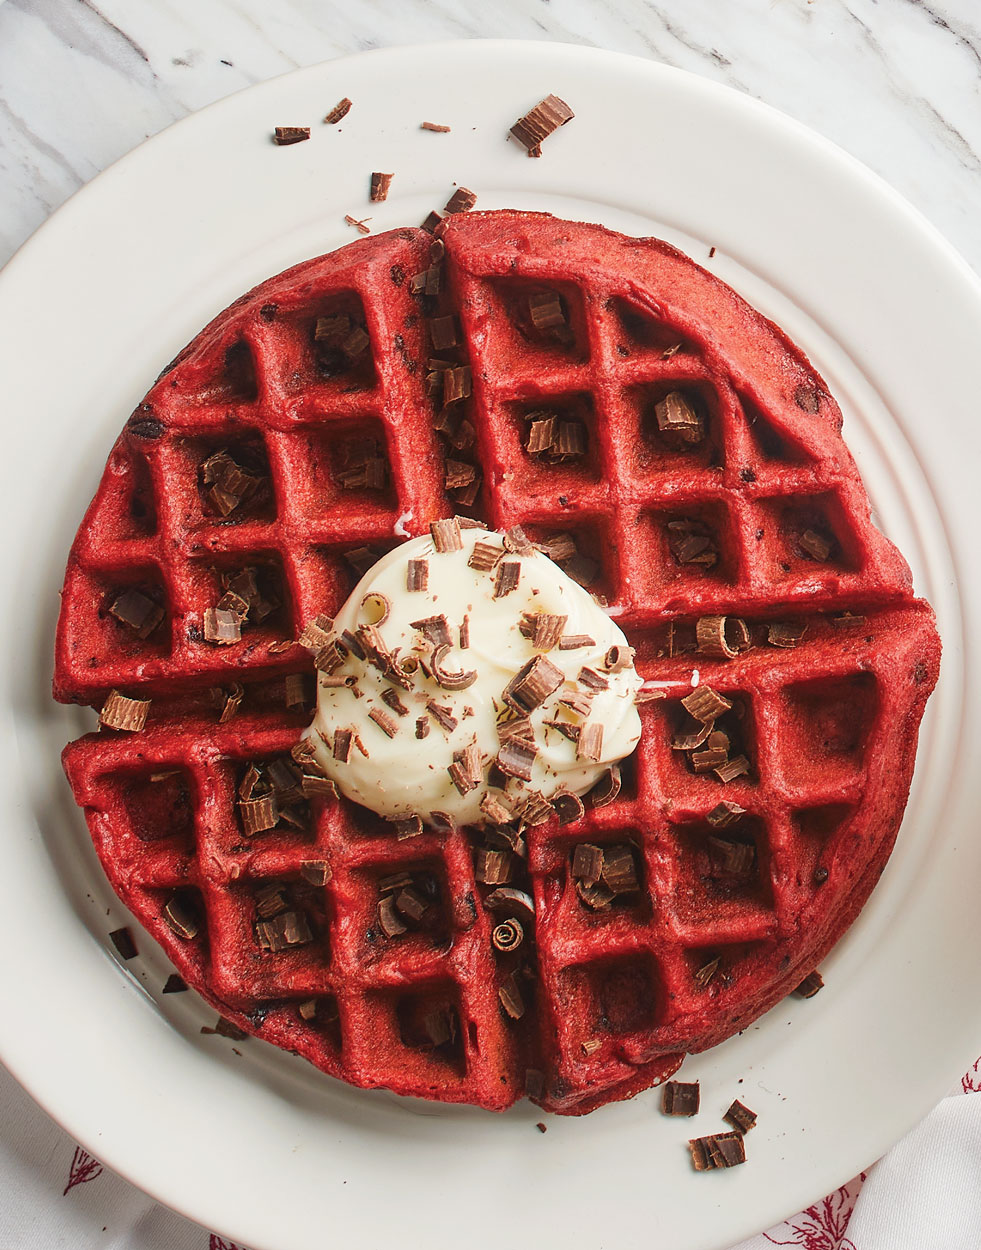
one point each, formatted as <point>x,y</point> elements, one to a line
<point>829,727</point>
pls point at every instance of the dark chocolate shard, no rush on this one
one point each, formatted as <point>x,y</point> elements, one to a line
<point>680,1098</point>
<point>740,1116</point>
<point>340,110</point>
<point>811,984</point>
<point>461,201</point>
<point>538,123</point>
<point>379,186</point>
<point>123,941</point>
<point>285,135</point>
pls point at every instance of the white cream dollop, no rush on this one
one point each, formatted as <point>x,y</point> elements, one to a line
<point>406,775</point>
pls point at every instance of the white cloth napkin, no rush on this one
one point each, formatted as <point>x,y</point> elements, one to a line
<point>925,1194</point>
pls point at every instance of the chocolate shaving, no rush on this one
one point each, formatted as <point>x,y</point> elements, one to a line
<point>725,636</point>
<point>443,716</point>
<point>735,859</point>
<point>811,984</point>
<point>590,1046</point>
<point>343,741</point>
<point>285,135</point>
<point>456,383</point>
<point>515,759</point>
<point>494,809</point>
<point>733,768</point>
<point>492,867</point>
<point>222,626</point>
<point>122,939</point>
<point>587,863</point>
<point>450,681</point>
<point>289,928</point>
<point>785,635</point>
<point>721,1150</point>
<point>712,757</point>
<point>740,1116</point>
<point>618,658</point>
<point>596,897</point>
<point>316,871</point>
<point>691,741</point>
<point>510,996</point>
<point>422,727</point>
<point>675,415</point>
<point>532,685</point>
<point>434,126</point>
<point>607,789</point>
<point>705,705</point>
<point>538,123</point>
<point>815,545</point>
<point>465,632</point>
<point>379,186</point>
<point>506,580</point>
<point>592,680</point>
<point>724,814</point>
<point>543,629</point>
<point>465,771</point>
<point>385,723</point>
<point>181,917</point>
<point>174,985</point>
<point>361,226</point>
<point>575,642</point>
<point>546,311</point>
<point>484,557</point>
<point>566,729</point>
<point>417,576</point>
<point>706,972</point>
<point>388,918</point>
<point>680,1098</point>
<point>517,541</point>
<point>541,435</point>
<point>560,548</point>
<point>121,712</point>
<point>619,870</point>
<point>517,728</point>
<point>138,612</point>
<point>508,935</point>
<point>568,807</point>
<point>316,633</point>
<point>340,110</point>
<point>258,814</point>
<point>461,201</point>
<point>296,693</point>
<point>446,535</point>
<point>391,697</point>
<point>435,629</point>
<point>536,809</point>
<point>407,827</point>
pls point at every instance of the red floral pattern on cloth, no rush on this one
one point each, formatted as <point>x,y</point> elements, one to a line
<point>822,1226</point>
<point>83,1168</point>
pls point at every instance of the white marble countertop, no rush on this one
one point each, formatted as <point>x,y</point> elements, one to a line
<point>894,82</point>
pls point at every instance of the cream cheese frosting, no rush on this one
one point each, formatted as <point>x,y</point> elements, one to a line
<point>415,727</point>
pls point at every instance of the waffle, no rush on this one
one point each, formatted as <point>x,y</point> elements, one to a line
<point>342,406</point>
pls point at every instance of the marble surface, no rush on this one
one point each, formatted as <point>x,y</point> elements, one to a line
<point>894,82</point>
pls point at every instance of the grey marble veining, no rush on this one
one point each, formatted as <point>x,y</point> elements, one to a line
<point>894,82</point>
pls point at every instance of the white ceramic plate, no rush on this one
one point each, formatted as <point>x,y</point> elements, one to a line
<point>261,1147</point>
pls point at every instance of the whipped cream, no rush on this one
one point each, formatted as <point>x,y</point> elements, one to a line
<point>447,709</point>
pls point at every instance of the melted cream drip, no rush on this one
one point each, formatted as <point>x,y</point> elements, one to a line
<point>406,775</point>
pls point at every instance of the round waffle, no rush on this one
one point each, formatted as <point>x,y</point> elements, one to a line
<point>700,489</point>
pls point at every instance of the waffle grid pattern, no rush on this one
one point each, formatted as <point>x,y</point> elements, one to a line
<point>826,726</point>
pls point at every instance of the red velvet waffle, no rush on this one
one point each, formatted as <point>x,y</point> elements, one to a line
<point>309,423</point>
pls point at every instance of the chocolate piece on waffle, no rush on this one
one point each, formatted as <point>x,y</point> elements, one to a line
<point>714,487</point>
